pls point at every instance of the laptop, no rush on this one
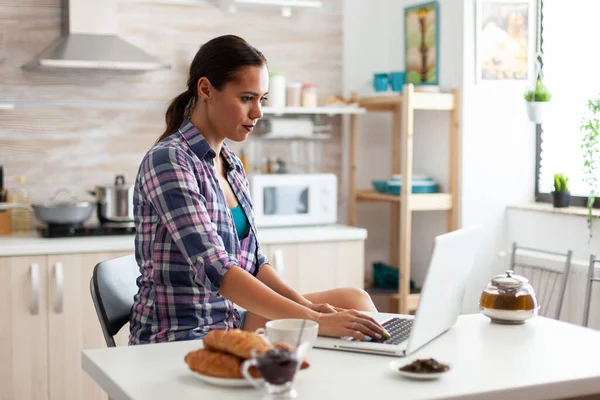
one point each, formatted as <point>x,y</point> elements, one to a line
<point>439,305</point>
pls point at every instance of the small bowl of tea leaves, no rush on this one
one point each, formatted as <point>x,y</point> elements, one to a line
<point>425,369</point>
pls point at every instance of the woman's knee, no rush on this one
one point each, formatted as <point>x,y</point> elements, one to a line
<point>357,299</point>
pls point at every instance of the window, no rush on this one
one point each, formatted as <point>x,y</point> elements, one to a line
<point>570,70</point>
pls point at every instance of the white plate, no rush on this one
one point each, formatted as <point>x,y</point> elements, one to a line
<point>397,364</point>
<point>225,382</point>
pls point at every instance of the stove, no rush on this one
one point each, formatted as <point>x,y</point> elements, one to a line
<point>106,229</point>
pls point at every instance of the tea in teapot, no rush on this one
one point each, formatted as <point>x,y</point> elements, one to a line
<point>509,299</point>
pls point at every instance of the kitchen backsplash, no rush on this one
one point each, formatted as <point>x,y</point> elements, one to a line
<point>80,129</point>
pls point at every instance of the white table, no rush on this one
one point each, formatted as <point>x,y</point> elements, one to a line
<point>542,359</point>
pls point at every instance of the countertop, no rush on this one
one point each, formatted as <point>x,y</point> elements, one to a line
<point>36,245</point>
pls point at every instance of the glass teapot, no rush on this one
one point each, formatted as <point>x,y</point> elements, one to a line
<point>509,299</point>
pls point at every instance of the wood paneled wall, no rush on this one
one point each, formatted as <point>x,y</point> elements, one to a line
<point>108,120</point>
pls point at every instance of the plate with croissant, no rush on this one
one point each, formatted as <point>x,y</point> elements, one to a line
<point>219,362</point>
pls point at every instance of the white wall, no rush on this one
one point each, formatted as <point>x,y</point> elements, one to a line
<point>374,42</point>
<point>498,162</point>
<point>498,142</point>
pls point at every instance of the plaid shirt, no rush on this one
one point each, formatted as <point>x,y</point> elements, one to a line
<point>186,240</point>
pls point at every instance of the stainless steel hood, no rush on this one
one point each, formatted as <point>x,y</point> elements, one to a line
<point>89,41</point>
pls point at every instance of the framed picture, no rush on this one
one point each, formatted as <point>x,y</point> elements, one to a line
<point>505,40</point>
<point>421,43</point>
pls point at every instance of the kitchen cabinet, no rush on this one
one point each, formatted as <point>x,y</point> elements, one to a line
<point>48,319</point>
<point>48,316</point>
<point>318,266</point>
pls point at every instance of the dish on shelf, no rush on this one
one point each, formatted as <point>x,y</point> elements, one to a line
<point>380,185</point>
<point>393,186</point>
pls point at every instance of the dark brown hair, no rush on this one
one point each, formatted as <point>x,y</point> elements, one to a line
<point>218,60</point>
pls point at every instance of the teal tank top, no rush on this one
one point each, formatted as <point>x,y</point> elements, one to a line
<point>242,226</point>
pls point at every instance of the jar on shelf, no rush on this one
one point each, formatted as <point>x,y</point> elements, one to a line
<point>276,90</point>
<point>309,95</point>
<point>294,94</point>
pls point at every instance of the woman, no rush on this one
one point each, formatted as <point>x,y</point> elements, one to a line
<point>196,242</point>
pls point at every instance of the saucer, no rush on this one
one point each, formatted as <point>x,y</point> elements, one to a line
<point>224,382</point>
<point>423,376</point>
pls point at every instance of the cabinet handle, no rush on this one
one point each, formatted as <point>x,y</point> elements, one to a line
<point>279,265</point>
<point>58,274</point>
<point>34,270</point>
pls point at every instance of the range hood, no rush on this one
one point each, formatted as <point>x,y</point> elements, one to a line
<point>89,41</point>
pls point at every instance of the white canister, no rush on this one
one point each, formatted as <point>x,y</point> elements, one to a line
<point>276,90</point>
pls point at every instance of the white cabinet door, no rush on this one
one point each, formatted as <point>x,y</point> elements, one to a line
<point>24,329</point>
<point>73,324</point>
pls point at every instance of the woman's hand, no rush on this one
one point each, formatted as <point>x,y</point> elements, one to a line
<point>324,308</point>
<point>350,323</point>
<point>320,308</point>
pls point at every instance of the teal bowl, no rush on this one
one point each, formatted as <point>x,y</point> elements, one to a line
<point>380,186</point>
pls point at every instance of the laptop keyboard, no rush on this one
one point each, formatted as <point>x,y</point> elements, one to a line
<point>399,330</point>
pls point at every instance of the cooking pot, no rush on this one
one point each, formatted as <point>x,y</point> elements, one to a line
<point>114,203</point>
<point>72,212</point>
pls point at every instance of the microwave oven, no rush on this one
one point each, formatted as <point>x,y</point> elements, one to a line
<point>294,199</point>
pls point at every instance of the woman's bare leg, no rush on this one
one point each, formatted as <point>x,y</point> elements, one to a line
<point>349,298</point>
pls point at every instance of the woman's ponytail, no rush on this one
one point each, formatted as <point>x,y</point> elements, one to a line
<point>176,113</point>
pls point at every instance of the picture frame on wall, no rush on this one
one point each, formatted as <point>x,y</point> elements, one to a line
<point>505,40</point>
<point>422,43</point>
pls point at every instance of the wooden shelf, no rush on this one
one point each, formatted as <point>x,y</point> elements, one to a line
<point>8,104</point>
<point>412,300</point>
<point>323,110</point>
<point>419,202</point>
<point>403,107</point>
<point>420,101</point>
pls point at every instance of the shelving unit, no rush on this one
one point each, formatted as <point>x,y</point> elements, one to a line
<point>403,106</point>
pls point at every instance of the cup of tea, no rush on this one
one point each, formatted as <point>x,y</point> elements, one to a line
<point>277,367</point>
<point>287,331</point>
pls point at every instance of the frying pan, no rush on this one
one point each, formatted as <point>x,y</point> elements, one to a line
<point>71,212</point>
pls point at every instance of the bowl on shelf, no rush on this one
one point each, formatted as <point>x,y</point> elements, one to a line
<point>380,186</point>
<point>422,186</point>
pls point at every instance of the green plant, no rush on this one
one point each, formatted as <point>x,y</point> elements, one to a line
<point>590,126</point>
<point>541,93</point>
<point>561,183</point>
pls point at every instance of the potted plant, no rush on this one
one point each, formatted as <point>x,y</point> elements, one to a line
<point>590,126</point>
<point>538,101</point>
<point>561,197</point>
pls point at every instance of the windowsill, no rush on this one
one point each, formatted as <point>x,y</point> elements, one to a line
<point>548,208</point>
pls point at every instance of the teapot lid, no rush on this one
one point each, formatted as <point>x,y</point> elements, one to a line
<point>510,280</point>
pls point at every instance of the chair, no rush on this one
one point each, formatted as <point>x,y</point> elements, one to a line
<point>543,278</point>
<point>113,286</point>
<point>588,291</point>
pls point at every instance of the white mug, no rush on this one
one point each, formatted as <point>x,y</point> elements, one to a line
<point>287,331</point>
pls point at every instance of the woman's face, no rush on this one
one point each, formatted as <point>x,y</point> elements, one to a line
<point>234,111</point>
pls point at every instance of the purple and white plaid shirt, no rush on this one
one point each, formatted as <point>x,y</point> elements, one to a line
<point>186,240</point>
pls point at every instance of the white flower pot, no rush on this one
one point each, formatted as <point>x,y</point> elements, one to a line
<point>537,111</point>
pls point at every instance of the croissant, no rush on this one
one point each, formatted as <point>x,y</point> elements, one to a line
<point>216,364</point>
<point>236,342</point>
